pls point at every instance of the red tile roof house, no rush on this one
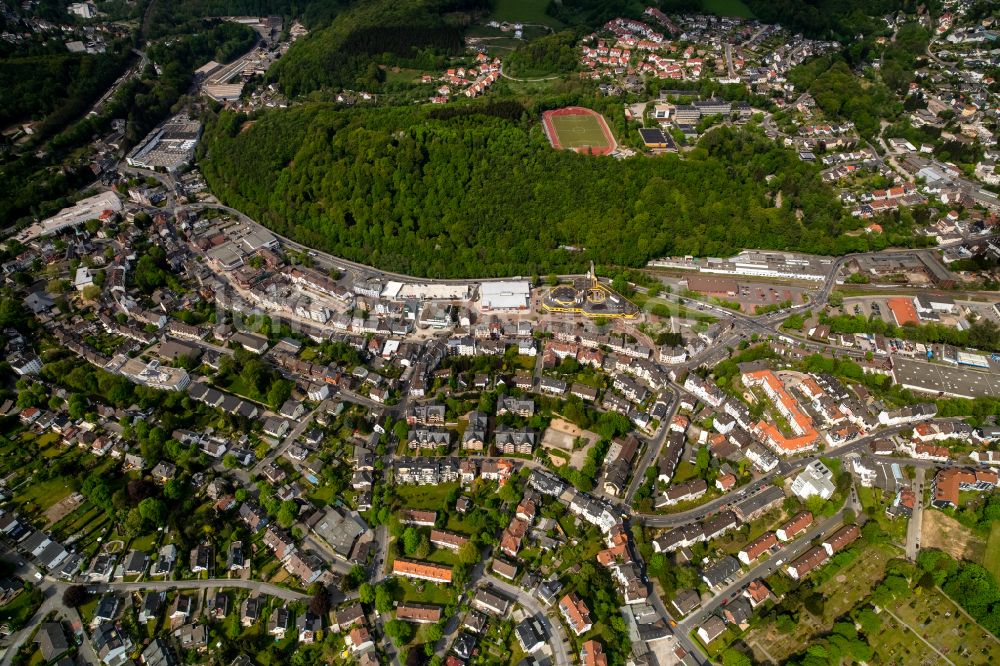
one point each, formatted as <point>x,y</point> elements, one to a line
<point>436,573</point>
<point>592,654</point>
<point>799,523</point>
<point>948,483</point>
<point>418,517</point>
<point>813,558</point>
<point>449,540</point>
<point>725,482</point>
<point>757,547</point>
<point>419,613</point>
<point>576,613</point>
<point>841,539</point>
<point>757,593</point>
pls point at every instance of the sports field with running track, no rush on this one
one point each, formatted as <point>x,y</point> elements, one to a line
<point>578,129</point>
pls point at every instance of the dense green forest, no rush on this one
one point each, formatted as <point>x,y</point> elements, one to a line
<point>484,196</point>
<point>552,54</point>
<point>345,53</point>
<point>592,13</point>
<point>37,184</point>
<point>840,93</point>
<point>56,87</point>
<point>900,57</point>
<point>829,19</point>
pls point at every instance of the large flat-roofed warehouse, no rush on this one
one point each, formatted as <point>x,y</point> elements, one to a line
<point>907,263</point>
<point>760,263</point>
<point>506,295</point>
<point>170,146</point>
<point>946,379</point>
<point>713,286</point>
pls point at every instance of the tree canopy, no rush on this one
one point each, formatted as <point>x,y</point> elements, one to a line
<point>553,54</point>
<point>479,196</point>
<point>345,53</point>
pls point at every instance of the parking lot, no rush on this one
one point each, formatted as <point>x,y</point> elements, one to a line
<point>878,307</point>
<point>867,307</point>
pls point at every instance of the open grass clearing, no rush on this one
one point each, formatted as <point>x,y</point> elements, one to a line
<point>424,497</point>
<point>524,11</point>
<point>945,533</point>
<point>443,556</point>
<point>21,608</point>
<point>421,592</point>
<point>991,557</point>
<point>42,495</point>
<point>145,542</point>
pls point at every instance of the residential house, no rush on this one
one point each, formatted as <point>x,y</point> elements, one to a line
<point>576,614</point>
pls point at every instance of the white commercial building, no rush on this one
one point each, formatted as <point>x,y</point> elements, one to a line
<point>815,479</point>
<point>98,207</point>
<point>506,295</point>
<point>85,10</point>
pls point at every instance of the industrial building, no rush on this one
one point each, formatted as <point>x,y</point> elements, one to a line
<point>170,146</point>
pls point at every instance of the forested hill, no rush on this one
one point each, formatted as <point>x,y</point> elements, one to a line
<point>482,196</point>
<point>342,54</point>
<point>830,19</point>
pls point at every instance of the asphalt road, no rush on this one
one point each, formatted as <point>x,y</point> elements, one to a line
<point>785,468</point>
<point>557,635</point>
<point>761,570</point>
<point>916,520</point>
<point>653,446</point>
<point>256,585</point>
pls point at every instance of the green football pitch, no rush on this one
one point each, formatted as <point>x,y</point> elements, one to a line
<point>579,131</point>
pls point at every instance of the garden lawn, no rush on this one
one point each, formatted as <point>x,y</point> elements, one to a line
<point>408,591</point>
<point>144,543</point>
<point>20,610</point>
<point>43,494</point>
<point>424,497</point>
<point>443,556</point>
<point>991,558</point>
